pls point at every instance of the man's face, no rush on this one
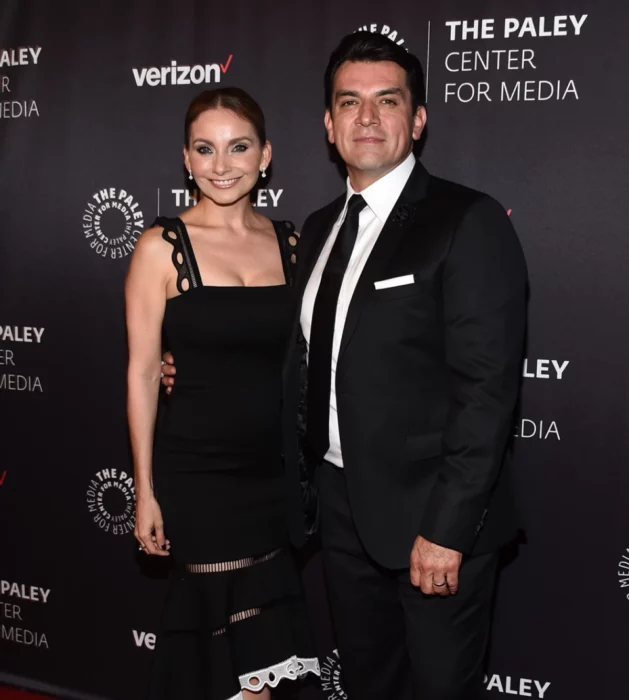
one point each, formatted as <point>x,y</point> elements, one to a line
<point>371,120</point>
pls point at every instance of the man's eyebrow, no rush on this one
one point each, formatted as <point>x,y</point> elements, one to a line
<point>390,91</point>
<point>379,93</point>
<point>346,93</point>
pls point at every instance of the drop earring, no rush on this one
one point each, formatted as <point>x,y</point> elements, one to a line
<point>263,172</point>
<point>190,174</point>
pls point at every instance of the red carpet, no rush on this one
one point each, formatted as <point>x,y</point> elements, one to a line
<point>13,694</point>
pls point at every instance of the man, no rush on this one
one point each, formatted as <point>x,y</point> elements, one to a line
<point>413,311</point>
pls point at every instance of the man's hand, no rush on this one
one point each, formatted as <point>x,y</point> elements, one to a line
<point>435,569</point>
<point>168,372</point>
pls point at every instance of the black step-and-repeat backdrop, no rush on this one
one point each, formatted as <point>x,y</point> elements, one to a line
<point>526,100</point>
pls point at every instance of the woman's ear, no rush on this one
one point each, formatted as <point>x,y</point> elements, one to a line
<point>267,155</point>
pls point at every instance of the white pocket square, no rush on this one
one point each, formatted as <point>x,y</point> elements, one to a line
<point>395,282</point>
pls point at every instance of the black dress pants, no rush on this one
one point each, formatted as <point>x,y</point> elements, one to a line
<point>394,642</point>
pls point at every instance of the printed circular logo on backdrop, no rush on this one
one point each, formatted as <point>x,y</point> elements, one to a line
<point>331,681</point>
<point>110,499</point>
<point>383,29</point>
<point>112,222</point>
<point>623,573</point>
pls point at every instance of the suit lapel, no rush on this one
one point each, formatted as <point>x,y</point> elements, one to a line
<point>313,250</point>
<point>395,227</point>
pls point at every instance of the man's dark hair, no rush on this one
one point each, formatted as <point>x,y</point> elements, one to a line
<point>371,48</point>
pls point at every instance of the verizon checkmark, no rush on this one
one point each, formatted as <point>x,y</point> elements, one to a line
<point>226,66</point>
<point>4,473</point>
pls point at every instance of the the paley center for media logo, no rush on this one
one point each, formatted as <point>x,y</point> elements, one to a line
<point>15,605</point>
<point>110,499</point>
<point>523,687</point>
<point>383,29</point>
<point>176,74</point>
<point>623,573</point>
<point>13,104</point>
<point>331,679</point>
<point>112,222</point>
<point>13,377</point>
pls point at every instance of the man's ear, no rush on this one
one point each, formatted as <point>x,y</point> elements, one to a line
<point>419,122</point>
<point>329,125</point>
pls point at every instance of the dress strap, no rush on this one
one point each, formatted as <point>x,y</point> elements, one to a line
<point>185,263</point>
<point>288,241</point>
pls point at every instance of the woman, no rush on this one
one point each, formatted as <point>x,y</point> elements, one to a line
<point>215,284</point>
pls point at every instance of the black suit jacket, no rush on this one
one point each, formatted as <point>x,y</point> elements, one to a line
<point>428,373</point>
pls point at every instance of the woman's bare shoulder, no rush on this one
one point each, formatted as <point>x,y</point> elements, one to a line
<point>152,250</point>
<point>151,241</point>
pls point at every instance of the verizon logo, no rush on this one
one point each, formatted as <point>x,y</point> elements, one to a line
<point>144,639</point>
<point>2,477</point>
<point>181,75</point>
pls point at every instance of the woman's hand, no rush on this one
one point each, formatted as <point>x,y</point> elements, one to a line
<point>149,527</point>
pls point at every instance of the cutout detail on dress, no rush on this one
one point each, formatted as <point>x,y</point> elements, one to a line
<point>230,565</point>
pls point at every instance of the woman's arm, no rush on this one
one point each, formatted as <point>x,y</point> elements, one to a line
<point>145,293</point>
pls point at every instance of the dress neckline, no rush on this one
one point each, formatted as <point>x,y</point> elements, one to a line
<point>233,286</point>
<point>227,288</point>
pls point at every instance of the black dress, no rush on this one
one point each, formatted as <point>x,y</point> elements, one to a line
<point>234,616</point>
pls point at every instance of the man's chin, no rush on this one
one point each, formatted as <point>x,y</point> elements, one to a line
<point>368,164</point>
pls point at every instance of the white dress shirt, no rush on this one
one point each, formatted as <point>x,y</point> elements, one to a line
<point>380,197</point>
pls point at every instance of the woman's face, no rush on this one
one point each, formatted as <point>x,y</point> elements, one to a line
<point>225,155</point>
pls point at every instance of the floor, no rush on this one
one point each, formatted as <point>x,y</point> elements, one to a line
<point>14,694</point>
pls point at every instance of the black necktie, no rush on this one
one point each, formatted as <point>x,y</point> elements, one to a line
<point>322,330</point>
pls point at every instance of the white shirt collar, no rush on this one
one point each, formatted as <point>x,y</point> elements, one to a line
<point>382,195</point>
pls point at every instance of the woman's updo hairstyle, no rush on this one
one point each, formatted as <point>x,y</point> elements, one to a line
<point>236,100</point>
